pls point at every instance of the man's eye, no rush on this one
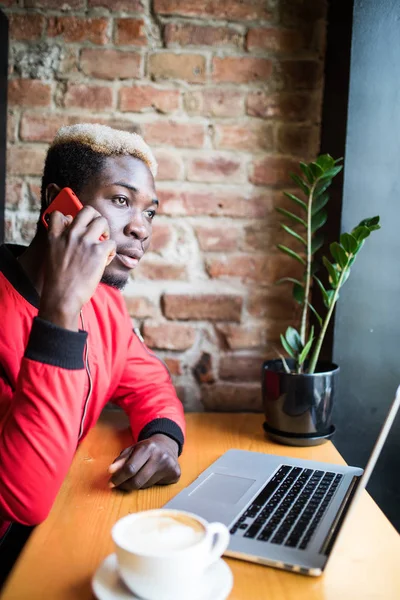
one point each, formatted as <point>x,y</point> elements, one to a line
<point>150,213</point>
<point>120,200</point>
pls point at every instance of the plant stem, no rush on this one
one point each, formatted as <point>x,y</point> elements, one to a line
<point>303,329</point>
<point>318,345</point>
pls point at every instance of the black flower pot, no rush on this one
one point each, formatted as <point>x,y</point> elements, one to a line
<point>298,407</point>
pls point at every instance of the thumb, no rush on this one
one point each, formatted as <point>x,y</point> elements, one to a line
<point>119,461</point>
<point>109,250</point>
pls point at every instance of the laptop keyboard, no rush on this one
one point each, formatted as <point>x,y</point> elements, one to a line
<point>289,507</point>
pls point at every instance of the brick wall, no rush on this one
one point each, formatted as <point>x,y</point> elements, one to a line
<point>228,94</point>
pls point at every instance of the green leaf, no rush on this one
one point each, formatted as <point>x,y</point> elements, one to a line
<point>319,203</point>
<point>325,161</point>
<point>345,276</point>
<point>306,350</point>
<point>307,172</point>
<point>338,160</point>
<point>319,318</point>
<point>291,253</point>
<point>333,274</point>
<point>372,223</point>
<point>287,280</point>
<point>293,338</point>
<point>317,242</point>
<point>331,173</point>
<point>296,199</point>
<point>287,347</point>
<point>321,187</point>
<point>294,234</point>
<point>323,291</point>
<point>301,183</point>
<point>318,220</point>
<point>290,215</point>
<point>330,294</point>
<point>339,254</point>
<point>316,170</point>
<point>299,293</point>
<point>349,243</point>
<point>360,233</point>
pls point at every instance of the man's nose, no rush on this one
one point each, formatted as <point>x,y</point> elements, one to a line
<point>137,228</point>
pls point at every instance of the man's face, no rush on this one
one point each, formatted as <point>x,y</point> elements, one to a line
<point>124,194</point>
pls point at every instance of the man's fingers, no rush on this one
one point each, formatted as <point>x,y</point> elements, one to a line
<point>119,461</point>
<point>136,460</point>
<point>147,476</point>
<point>58,222</point>
<point>97,228</point>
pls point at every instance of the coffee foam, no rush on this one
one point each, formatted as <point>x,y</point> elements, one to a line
<point>162,533</point>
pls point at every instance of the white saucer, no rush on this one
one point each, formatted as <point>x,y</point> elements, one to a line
<point>107,585</point>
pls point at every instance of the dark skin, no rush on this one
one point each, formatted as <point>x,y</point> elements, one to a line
<point>67,263</point>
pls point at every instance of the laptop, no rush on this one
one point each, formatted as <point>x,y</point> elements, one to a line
<point>281,512</point>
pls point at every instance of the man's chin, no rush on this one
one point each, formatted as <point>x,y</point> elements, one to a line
<point>114,280</point>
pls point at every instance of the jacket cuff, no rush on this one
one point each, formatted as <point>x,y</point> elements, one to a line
<point>56,346</point>
<point>166,427</point>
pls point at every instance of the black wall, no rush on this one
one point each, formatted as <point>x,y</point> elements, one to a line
<point>3,114</point>
<point>367,324</point>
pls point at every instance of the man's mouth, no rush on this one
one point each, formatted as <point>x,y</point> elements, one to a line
<point>129,260</point>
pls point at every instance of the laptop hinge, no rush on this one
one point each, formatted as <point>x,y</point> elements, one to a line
<point>330,539</point>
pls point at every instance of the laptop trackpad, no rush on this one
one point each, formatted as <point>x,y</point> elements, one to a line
<point>226,488</point>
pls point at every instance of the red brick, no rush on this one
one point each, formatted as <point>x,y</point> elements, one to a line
<point>294,107</point>
<point>298,12</point>
<point>188,67</point>
<point>27,229</point>
<point>25,160</point>
<point>214,203</point>
<point>130,32</point>
<point>275,40</point>
<point>202,307</point>
<point>187,34</point>
<point>171,133</point>
<point>169,336</point>
<point>55,4</point>
<point>244,267</point>
<point>118,5</point>
<point>232,397</point>
<point>13,193</point>
<point>273,170</point>
<point>162,270</point>
<point>235,10</point>
<point>161,237</point>
<point>170,166</point>
<point>139,307</point>
<point>93,97</point>
<point>34,193</point>
<point>40,128</point>
<point>246,136</point>
<point>28,92</point>
<point>25,27</point>
<point>258,236</point>
<point>9,230</point>
<point>173,365</point>
<point>74,29</point>
<point>146,97</point>
<point>12,121</point>
<point>239,337</point>
<point>69,63</point>
<point>203,370</point>
<point>302,141</point>
<point>300,74</point>
<point>275,303</point>
<point>239,367</point>
<point>241,69</point>
<point>214,168</point>
<point>281,265</point>
<point>110,64</point>
<point>214,102</point>
<point>217,239</point>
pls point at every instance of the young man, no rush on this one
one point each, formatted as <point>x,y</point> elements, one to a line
<point>66,340</point>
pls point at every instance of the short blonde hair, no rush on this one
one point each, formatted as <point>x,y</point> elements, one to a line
<point>107,141</point>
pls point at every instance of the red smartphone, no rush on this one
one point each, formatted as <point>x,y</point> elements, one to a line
<point>66,202</point>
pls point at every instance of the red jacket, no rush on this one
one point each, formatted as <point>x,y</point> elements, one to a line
<point>54,384</point>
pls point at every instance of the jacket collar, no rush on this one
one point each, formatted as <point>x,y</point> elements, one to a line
<point>15,274</point>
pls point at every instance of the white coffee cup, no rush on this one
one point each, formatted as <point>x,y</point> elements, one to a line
<point>162,554</point>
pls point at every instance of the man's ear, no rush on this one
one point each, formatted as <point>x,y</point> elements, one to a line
<point>51,192</point>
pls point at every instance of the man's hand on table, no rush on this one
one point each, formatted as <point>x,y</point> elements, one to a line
<point>149,462</point>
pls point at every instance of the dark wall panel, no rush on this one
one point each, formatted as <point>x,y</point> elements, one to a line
<point>367,324</point>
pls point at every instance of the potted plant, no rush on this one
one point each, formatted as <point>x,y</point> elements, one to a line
<point>298,389</point>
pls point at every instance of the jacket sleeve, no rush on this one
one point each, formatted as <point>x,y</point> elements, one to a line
<point>147,395</point>
<point>39,422</point>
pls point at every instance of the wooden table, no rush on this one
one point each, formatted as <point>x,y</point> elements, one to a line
<point>63,553</point>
